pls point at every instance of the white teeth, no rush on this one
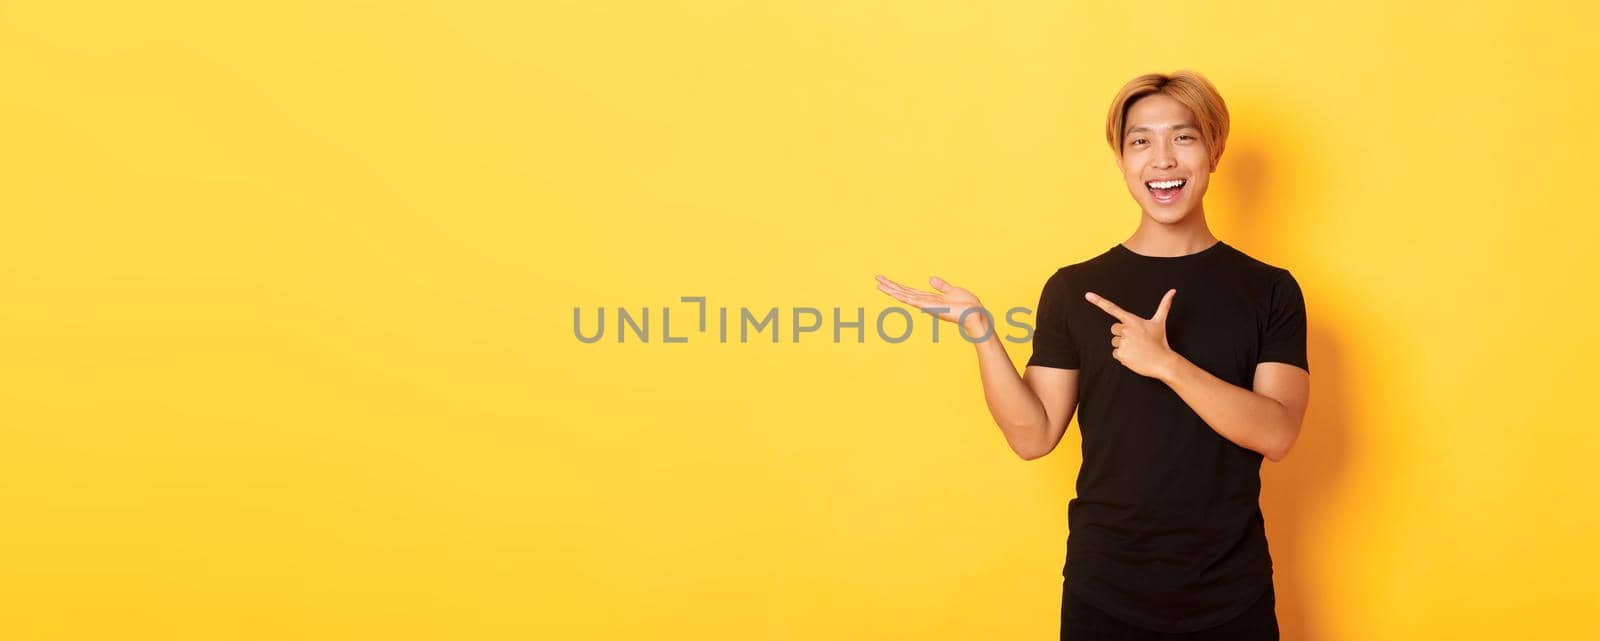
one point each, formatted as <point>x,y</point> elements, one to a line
<point>1166,184</point>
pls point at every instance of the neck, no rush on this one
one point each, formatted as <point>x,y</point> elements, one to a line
<point>1181,238</point>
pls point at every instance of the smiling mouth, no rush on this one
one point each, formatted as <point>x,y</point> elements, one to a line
<point>1166,191</point>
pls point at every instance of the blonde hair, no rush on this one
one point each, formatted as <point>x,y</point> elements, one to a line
<point>1187,87</point>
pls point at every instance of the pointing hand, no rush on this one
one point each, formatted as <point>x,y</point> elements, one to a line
<point>1140,343</point>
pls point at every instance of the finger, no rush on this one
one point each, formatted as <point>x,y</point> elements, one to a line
<point>1116,341</point>
<point>1118,328</point>
<point>885,281</point>
<point>1109,307</point>
<point>899,293</point>
<point>898,287</point>
<point>939,284</point>
<point>893,283</point>
<point>1164,307</point>
<point>891,292</point>
<point>919,300</point>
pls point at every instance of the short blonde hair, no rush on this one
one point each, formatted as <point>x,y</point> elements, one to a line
<point>1187,87</point>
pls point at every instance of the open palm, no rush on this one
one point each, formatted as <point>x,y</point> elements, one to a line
<point>947,301</point>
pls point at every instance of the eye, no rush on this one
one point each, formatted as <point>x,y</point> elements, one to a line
<point>1183,136</point>
<point>1138,141</point>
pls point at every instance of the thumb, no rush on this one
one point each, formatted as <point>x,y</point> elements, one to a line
<point>939,284</point>
<point>1164,307</point>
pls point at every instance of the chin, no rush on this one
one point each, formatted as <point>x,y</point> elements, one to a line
<point>1167,215</point>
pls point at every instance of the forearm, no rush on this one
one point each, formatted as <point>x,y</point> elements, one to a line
<point>1248,419</point>
<point>1015,408</point>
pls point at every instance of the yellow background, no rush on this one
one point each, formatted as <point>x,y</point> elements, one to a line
<point>288,288</point>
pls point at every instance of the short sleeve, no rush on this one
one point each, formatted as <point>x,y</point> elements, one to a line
<point>1052,339</point>
<point>1284,338</point>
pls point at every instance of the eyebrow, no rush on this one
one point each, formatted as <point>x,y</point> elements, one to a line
<point>1182,125</point>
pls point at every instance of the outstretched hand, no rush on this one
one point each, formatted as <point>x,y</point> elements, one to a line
<point>1138,343</point>
<point>947,301</point>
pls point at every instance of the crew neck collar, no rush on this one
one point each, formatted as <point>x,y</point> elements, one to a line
<point>1123,250</point>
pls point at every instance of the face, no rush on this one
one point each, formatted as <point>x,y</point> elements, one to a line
<point>1164,160</point>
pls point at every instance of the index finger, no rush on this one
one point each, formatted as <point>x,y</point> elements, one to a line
<point>1109,307</point>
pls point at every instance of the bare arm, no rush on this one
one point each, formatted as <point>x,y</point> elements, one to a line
<point>1033,409</point>
<point>1266,419</point>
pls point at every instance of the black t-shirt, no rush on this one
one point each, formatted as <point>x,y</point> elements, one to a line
<point>1166,532</point>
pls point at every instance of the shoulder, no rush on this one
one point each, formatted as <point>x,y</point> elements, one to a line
<point>1260,270</point>
<point>1076,271</point>
<point>1274,285</point>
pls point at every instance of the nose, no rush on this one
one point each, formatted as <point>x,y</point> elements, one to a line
<point>1164,158</point>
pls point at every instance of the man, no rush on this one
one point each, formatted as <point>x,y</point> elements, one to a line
<point>1185,361</point>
